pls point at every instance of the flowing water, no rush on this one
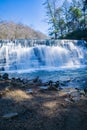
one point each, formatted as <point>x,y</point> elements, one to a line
<point>49,59</point>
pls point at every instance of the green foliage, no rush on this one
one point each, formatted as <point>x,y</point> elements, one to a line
<point>75,12</point>
<point>78,34</point>
<point>67,18</point>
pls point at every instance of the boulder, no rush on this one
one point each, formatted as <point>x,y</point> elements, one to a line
<point>5,76</point>
<point>29,91</point>
<point>43,87</point>
<point>63,93</point>
<point>85,90</point>
<point>0,76</point>
<point>10,115</point>
<point>68,100</point>
<point>82,93</point>
<point>35,80</point>
<point>57,84</point>
<point>75,96</point>
<point>67,91</point>
<point>52,86</point>
<point>2,69</point>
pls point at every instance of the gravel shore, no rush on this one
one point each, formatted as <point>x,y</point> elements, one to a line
<point>26,106</point>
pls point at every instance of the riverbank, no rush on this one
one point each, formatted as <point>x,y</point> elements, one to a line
<point>34,105</point>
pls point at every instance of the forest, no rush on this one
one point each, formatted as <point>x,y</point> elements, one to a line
<point>68,19</point>
<point>12,30</point>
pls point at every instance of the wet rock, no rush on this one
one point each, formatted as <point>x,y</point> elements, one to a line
<point>10,115</point>
<point>77,89</point>
<point>18,80</point>
<point>2,69</point>
<point>0,76</point>
<point>17,83</point>
<point>67,80</point>
<point>57,84</point>
<point>63,84</point>
<point>85,90</point>
<point>5,76</point>
<point>12,79</point>
<point>51,86</point>
<point>37,80</point>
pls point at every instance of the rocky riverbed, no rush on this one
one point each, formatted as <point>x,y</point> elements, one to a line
<point>34,105</point>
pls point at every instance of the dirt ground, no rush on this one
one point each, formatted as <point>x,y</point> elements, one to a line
<point>40,110</point>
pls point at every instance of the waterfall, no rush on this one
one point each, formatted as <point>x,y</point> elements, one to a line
<point>36,54</point>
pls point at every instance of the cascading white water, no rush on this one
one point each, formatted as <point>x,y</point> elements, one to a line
<point>36,54</point>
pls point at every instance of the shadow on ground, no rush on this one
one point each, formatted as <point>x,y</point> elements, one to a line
<point>41,111</point>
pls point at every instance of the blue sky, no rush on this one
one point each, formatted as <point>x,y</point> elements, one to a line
<point>29,12</point>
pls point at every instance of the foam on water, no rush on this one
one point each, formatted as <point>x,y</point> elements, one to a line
<point>31,55</point>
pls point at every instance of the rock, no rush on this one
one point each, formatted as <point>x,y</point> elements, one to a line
<point>13,79</point>
<point>72,94</point>
<point>63,84</point>
<point>5,76</point>
<point>43,87</point>
<point>18,80</point>
<point>36,79</point>
<point>75,99</point>
<point>75,96</point>
<point>57,84</point>
<point>71,90</point>
<point>66,91</point>
<point>50,83</point>
<point>1,94</point>
<point>85,90</point>
<point>67,100</point>
<point>0,76</point>
<point>29,91</point>
<point>10,115</point>
<point>77,89</point>
<point>51,86</point>
<point>82,92</point>
<point>63,93</point>
<point>7,89</point>
<point>2,69</point>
